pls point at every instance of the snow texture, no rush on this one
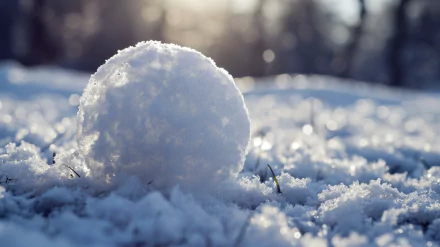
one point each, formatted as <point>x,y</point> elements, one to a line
<point>165,114</point>
<point>358,165</point>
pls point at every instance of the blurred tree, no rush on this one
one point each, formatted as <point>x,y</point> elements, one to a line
<point>348,54</point>
<point>303,45</point>
<point>120,24</point>
<point>114,32</point>
<point>397,44</point>
<point>41,48</point>
<point>256,64</point>
<point>239,47</point>
<point>8,11</point>
<point>423,44</point>
<point>296,36</point>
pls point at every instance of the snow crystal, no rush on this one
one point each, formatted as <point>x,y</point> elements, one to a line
<point>363,202</point>
<point>270,227</point>
<point>166,114</point>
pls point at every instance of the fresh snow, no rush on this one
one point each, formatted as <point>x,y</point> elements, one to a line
<point>357,166</point>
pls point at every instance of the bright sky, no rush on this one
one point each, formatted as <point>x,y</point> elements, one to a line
<point>238,6</point>
<point>347,10</point>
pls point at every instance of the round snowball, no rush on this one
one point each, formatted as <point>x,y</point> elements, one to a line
<point>166,114</point>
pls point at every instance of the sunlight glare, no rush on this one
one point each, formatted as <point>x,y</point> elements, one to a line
<point>266,146</point>
<point>257,141</point>
<point>268,56</point>
<point>307,129</point>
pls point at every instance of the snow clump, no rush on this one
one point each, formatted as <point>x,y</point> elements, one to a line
<point>166,114</point>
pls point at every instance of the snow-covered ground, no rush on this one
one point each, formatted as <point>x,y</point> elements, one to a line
<point>356,164</point>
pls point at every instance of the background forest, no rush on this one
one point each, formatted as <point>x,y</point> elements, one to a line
<point>394,42</point>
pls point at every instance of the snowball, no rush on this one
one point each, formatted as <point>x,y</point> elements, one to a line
<point>166,114</point>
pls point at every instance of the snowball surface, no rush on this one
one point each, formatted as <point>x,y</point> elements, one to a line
<point>165,114</point>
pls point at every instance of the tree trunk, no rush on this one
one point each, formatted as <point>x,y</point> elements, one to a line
<point>397,44</point>
<point>353,45</point>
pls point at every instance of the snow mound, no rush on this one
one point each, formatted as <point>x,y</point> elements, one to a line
<point>165,114</point>
<point>358,165</point>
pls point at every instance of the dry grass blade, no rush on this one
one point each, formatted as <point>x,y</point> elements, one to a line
<point>275,178</point>
<point>72,170</point>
